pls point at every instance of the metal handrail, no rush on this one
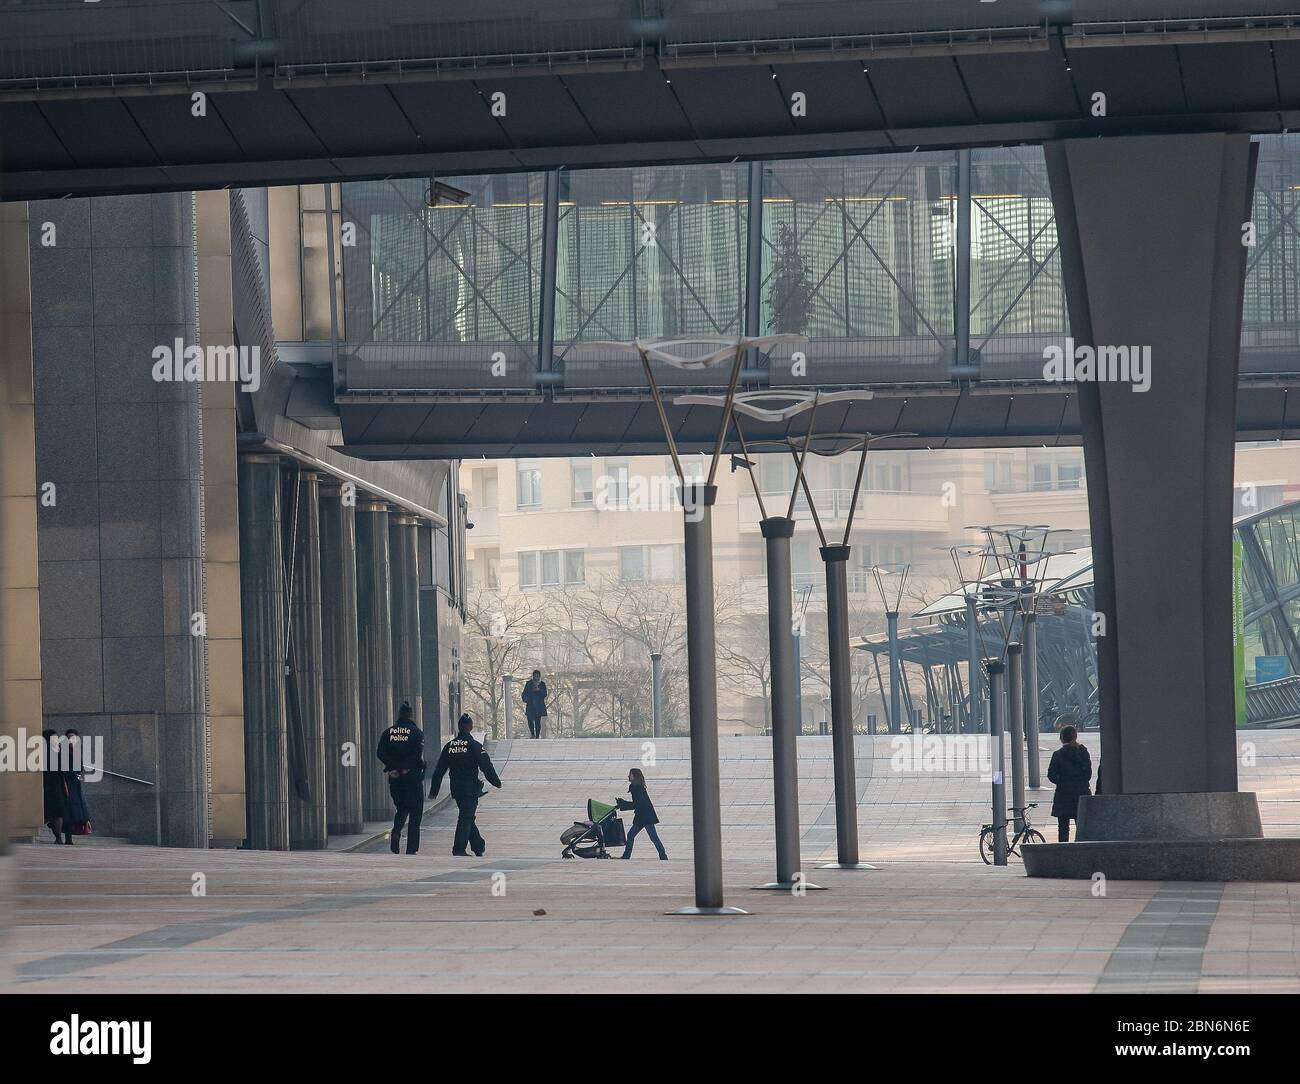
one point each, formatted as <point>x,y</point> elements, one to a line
<point>128,778</point>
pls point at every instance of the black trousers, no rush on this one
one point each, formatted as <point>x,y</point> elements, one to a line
<point>408,797</point>
<point>1063,829</point>
<point>466,830</point>
<point>534,725</point>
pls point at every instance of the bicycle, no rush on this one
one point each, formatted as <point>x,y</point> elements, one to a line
<point>1027,834</point>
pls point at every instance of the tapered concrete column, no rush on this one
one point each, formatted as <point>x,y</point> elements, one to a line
<point>344,754</point>
<point>375,651</point>
<point>1152,256</point>
<point>701,664</point>
<point>405,593</point>
<point>974,668</point>
<point>997,740</point>
<point>305,686</point>
<point>261,596</point>
<point>777,532</point>
<point>836,559</point>
<point>895,676</point>
<point>1016,724</point>
<point>1031,699</point>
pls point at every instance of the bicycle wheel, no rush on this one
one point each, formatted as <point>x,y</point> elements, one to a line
<point>1033,835</point>
<point>986,846</point>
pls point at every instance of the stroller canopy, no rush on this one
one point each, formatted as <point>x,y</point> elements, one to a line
<point>598,811</point>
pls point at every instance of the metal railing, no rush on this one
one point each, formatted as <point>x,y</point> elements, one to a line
<point>1274,703</point>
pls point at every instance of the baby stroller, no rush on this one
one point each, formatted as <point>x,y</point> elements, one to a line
<point>589,838</point>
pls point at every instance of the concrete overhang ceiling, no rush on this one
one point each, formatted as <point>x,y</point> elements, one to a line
<point>100,100</point>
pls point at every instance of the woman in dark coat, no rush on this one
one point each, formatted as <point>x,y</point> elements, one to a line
<point>1071,770</point>
<point>643,816</point>
<point>52,784</point>
<point>76,815</point>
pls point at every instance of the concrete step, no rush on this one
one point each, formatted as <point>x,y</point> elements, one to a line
<point>85,841</point>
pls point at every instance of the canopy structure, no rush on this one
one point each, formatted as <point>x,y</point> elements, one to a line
<point>1067,575</point>
<point>937,645</point>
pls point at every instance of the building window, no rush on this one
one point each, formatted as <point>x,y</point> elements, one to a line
<point>1051,472</point>
<point>651,564</point>
<point>997,472</point>
<point>776,475</point>
<point>551,568</point>
<point>631,564</point>
<point>615,484</point>
<point>889,477</point>
<point>582,491</point>
<point>530,487</point>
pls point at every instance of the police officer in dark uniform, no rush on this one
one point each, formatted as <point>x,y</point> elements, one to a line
<point>463,758</point>
<point>401,749</point>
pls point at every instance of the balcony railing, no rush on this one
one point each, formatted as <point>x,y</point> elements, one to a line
<point>876,509</point>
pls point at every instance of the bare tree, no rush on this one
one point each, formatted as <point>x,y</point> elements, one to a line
<point>496,623</point>
<point>743,651</point>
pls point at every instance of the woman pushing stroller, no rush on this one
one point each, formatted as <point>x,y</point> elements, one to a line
<point>643,816</point>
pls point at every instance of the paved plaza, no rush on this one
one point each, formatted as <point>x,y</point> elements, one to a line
<point>932,917</point>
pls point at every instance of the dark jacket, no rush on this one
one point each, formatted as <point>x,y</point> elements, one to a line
<point>463,758</point>
<point>76,812</point>
<point>1070,769</point>
<point>401,749</point>
<point>52,783</point>
<point>534,699</point>
<point>644,808</point>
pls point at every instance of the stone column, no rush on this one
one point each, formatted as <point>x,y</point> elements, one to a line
<point>1154,269</point>
<point>374,652</point>
<point>261,591</point>
<point>306,702</point>
<point>338,587</point>
<point>402,548</point>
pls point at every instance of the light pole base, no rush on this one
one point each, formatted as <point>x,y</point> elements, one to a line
<point>848,865</point>
<point>707,911</point>
<point>787,886</point>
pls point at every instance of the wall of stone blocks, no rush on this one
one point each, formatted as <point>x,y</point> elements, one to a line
<point>120,549</point>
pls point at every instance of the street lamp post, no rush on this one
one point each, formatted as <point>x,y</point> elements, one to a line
<point>508,691</point>
<point>656,694</point>
<point>1006,586</point>
<point>835,558</point>
<point>895,659</point>
<point>701,658</point>
<point>783,632</point>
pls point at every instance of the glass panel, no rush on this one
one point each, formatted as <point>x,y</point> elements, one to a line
<point>861,249</point>
<point>550,568</point>
<point>1016,285</point>
<point>631,563</point>
<point>530,487</point>
<point>574,566</point>
<point>528,570</point>
<point>650,251</point>
<point>663,563</point>
<point>582,491</point>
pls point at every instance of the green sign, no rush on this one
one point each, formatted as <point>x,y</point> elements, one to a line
<point>1238,636</point>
